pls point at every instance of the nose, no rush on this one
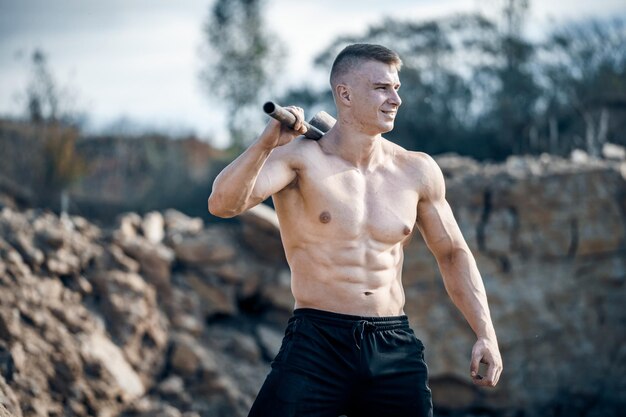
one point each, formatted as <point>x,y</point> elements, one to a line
<point>395,98</point>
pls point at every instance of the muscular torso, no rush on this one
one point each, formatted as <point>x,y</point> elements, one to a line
<point>344,229</point>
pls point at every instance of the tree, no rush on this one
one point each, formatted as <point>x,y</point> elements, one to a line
<point>42,91</point>
<point>241,60</point>
<point>512,80</point>
<point>441,102</point>
<point>46,99</point>
<point>477,86</point>
<point>584,71</point>
<point>48,108</point>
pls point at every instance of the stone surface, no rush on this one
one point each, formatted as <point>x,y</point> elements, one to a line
<point>99,349</point>
<point>211,246</point>
<point>164,316</point>
<point>261,232</point>
<point>153,227</point>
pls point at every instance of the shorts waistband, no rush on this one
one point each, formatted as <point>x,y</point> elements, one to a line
<point>349,321</point>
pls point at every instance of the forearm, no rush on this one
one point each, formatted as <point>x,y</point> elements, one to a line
<point>465,287</point>
<point>232,188</point>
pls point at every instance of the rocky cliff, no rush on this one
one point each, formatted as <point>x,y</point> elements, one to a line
<point>164,316</point>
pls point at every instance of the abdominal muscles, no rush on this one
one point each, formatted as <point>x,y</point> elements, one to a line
<point>350,277</point>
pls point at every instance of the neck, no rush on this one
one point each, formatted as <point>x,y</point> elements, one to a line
<point>355,147</point>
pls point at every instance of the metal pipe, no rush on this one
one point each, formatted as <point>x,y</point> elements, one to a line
<point>287,118</point>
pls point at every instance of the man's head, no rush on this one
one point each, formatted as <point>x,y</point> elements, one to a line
<point>354,55</point>
<point>365,83</point>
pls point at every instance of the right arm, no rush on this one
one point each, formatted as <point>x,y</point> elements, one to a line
<point>259,172</point>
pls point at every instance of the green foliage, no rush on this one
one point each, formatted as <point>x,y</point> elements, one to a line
<point>584,80</point>
<point>241,59</point>
<point>442,95</point>
<point>478,87</point>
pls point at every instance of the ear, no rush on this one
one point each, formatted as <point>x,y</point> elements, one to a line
<point>343,93</point>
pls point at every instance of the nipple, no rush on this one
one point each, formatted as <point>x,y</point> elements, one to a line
<point>406,231</point>
<point>325,217</point>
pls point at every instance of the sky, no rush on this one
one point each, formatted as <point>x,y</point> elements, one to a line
<point>139,60</point>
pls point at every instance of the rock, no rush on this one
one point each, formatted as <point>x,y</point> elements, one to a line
<point>100,349</point>
<point>13,262</point>
<point>188,356</point>
<point>130,307</point>
<point>173,385</point>
<point>454,166</point>
<point>578,156</point>
<point>613,151</point>
<point>155,260</point>
<point>125,322</point>
<point>270,340</point>
<point>31,254</point>
<point>187,323</point>
<point>278,293</point>
<point>9,403</point>
<point>184,360</point>
<point>128,225</point>
<point>456,394</point>
<point>152,407</point>
<point>214,298</point>
<point>245,347</point>
<point>181,224</point>
<point>152,227</point>
<point>4,412</point>
<point>235,272</point>
<point>212,246</point>
<point>118,259</point>
<point>262,217</point>
<point>261,232</point>
<point>544,232</point>
<point>234,342</point>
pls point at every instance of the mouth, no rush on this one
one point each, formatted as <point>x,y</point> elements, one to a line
<point>389,113</point>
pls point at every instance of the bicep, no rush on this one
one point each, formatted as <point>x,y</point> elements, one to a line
<point>435,219</point>
<point>439,228</point>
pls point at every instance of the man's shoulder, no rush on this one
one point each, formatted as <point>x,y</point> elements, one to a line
<point>299,146</point>
<point>422,170</point>
<point>412,159</point>
<point>296,152</point>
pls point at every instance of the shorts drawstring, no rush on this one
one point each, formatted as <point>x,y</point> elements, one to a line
<point>359,328</point>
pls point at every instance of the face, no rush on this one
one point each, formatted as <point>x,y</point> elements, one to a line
<point>374,96</point>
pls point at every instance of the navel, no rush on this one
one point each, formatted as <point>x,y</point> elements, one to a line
<point>406,231</point>
<point>325,217</point>
<point>368,293</point>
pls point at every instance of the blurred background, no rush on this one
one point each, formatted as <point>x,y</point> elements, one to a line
<point>116,116</point>
<point>485,79</point>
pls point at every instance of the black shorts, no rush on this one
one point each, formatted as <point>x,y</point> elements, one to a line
<point>333,364</point>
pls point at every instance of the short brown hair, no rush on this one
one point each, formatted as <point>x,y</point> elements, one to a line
<point>351,55</point>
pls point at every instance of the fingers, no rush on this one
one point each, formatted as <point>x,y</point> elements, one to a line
<point>491,376</point>
<point>298,126</point>
<point>475,363</point>
<point>482,354</point>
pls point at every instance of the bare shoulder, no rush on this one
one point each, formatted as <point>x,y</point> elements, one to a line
<point>294,151</point>
<point>422,169</point>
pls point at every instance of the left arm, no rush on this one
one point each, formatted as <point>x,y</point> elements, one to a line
<point>460,274</point>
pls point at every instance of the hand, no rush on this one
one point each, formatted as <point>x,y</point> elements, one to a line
<point>276,134</point>
<point>486,351</point>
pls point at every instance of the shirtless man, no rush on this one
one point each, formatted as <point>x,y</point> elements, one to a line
<point>347,205</point>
